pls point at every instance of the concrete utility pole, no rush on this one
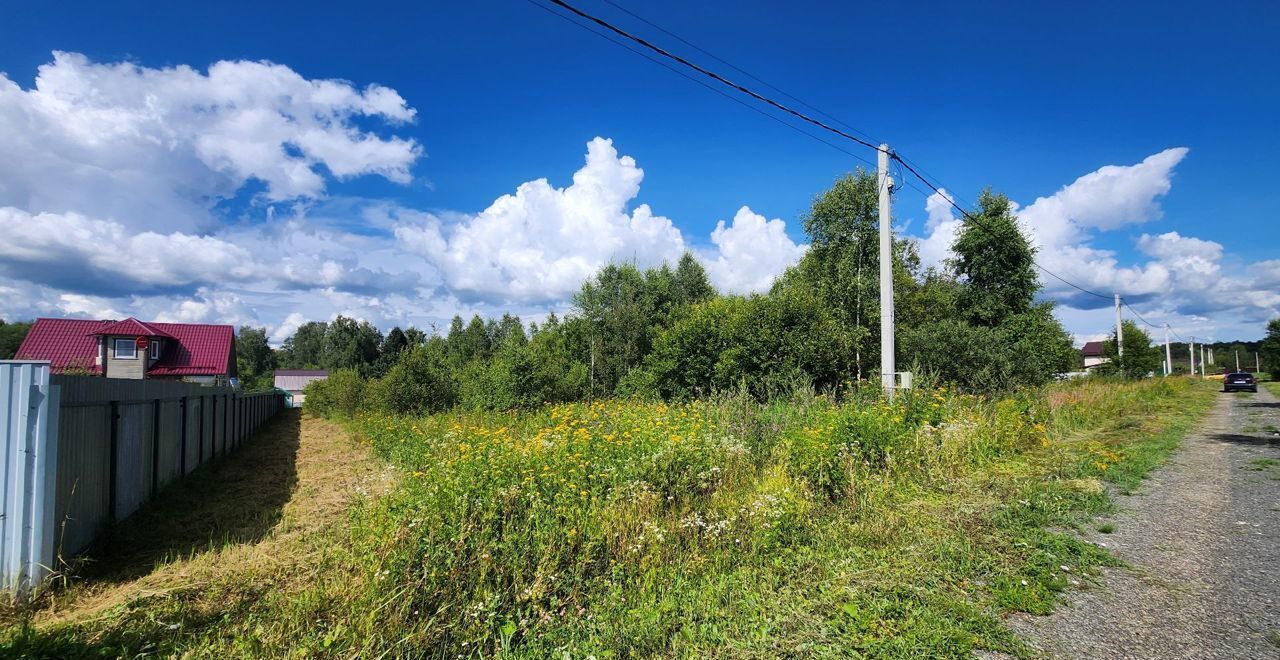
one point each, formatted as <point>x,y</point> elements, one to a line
<point>1257,364</point>
<point>1168,354</point>
<point>1192,351</point>
<point>887,367</point>
<point>1202,373</point>
<point>1237,360</point>
<point>1119,330</point>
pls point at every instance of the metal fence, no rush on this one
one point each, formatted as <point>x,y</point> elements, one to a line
<point>114,445</point>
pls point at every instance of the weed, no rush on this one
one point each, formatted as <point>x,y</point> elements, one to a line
<point>806,527</point>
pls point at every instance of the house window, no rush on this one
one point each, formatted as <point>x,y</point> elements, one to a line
<point>155,350</point>
<point>126,349</point>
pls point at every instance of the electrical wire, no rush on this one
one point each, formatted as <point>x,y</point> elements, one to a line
<point>713,75</point>
<point>915,170</point>
<point>702,83</point>
<point>744,72</point>
<point>1135,313</point>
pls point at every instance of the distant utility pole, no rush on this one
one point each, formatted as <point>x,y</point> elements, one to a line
<point>887,367</point>
<point>1119,330</point>
<point>1257,364</point>
<point>1168,353</point>
<point>1237,360</point>
<point>1202,372</point>
<point>1193,354</point>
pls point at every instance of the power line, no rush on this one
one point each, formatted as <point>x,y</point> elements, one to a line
<point>731,65</point>
<point>702,83</point>
<point>1135,313</point>
<point>713,75</point>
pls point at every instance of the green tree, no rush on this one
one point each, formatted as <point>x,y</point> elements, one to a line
<point>995,263</point>
<point>1269,351</point>
<point>395,343</point>
<point>351,344</point>
<point>11,336</point>
<point>690,283</point>
<point>1140,357</point>
<point>618,313</point>
<point>422,381</point>
<point>305,348</point>
<point>255,361</point>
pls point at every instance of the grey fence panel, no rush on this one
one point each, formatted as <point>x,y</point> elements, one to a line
<point>169,458</point>
<point>133,457</point>
<point>195,429</point>
<point>95,450</point>
<point>83,477</point>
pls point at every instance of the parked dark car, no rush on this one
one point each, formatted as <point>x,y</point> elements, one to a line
<point>1239,382</point>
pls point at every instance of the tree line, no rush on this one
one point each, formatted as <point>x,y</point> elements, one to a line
<point>974,322</point>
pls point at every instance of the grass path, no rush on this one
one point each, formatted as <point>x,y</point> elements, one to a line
<point>232,532</point>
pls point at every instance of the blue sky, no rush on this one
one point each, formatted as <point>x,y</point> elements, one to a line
<point>1023,97</point>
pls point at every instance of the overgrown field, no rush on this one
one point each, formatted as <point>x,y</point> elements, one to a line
<point>804,527</point>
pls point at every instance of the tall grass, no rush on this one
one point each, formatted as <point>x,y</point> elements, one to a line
<point>591,526</point>
<point>729,527</point>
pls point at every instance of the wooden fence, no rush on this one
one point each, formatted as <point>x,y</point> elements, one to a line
<point>115,445</point>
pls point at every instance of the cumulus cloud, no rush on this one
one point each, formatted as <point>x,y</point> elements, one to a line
<point>941,227</point>
<point>1181,277</point>
<point>88,255</point>
<point>541,242</point>
<point>155,148</point>
<point>750,253</point>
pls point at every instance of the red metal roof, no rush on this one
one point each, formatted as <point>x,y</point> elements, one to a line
<point>132,326</point>
<point>202,350</point>
<point>64,342</point>
<point>191,349</point>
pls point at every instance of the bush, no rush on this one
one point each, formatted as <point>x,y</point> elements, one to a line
<point>419,382</point>
<point>338,395</point>
<point>765,345</point>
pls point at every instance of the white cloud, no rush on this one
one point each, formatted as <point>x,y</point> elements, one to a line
<point>942,228</point>
<point>210,306</point>
<point>1182,280</point>
<point>540,243</point>
<point>70,248</point>
<point>156,148</point>
<point>750,253</point>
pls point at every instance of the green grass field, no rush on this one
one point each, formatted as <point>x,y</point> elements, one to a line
<point>727,528</point>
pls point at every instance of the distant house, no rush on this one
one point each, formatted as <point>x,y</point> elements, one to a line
<point>294,381</point>
<point>1092,354</point>
<point>193,352</point>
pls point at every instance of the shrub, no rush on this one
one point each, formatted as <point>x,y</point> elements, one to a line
<point>338,395</point>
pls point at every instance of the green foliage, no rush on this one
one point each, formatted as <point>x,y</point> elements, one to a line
<point>995,263</point>
<point>1140,357</point>
<point>420,382</point>
<point>350,344</point>
<point>305,348</point>
<point>255,361</point>
<point>764,344</point>
<point>339,395</point>
<point>11,336</point>
<point>1269,352</point>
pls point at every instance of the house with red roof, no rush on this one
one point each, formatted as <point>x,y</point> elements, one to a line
<point>195,352</point>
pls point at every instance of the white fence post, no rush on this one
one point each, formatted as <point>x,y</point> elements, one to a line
<point>29,439</point>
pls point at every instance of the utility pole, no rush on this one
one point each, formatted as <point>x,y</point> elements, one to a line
<point>887,368</point>
<point>1192,350</point>
<point>1202,372</point>
<point>1168,353</point>
<point>1237,360</point>
<point>1119,330</point>
<point>1257,365</point>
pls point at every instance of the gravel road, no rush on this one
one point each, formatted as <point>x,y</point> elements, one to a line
<point>1203,540</point>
